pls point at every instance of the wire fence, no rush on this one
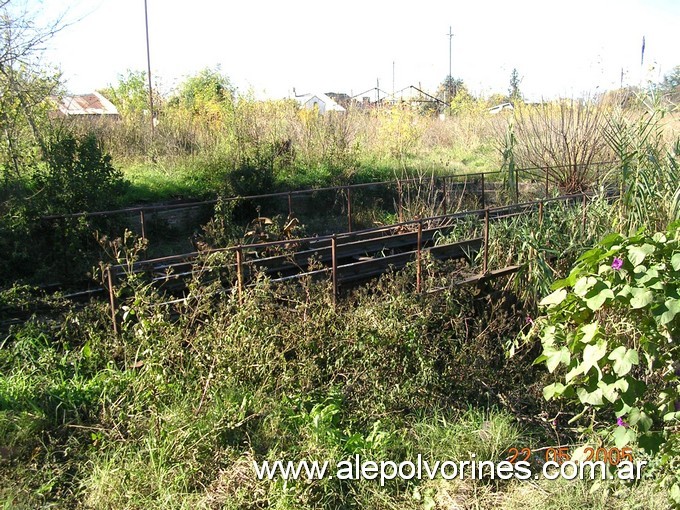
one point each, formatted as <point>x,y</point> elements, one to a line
<point>67,247</point>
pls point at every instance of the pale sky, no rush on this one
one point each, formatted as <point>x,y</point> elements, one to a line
<point>268,47</point>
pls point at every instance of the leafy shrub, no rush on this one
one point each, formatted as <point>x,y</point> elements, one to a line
<point>79,177</point>
<point>611,335</point>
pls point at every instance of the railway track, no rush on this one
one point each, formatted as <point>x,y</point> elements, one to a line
<point>349,257</point>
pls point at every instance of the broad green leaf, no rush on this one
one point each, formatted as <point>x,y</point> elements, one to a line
<point>640,419</point>
<point>604,268</point>
<point>623,359</point>
<point>610,239</point>
<point>609,391</point>
<point>623,436</point>
<point>555,298</point>
<point>592,354</point>
<point>675,493</point>
<point>622,384</point>
<point>673,308</point>
<point>592,397</point>
<point>572,373</point>
<point>555,357</point>
<point>595,302</point>
<point>621,408</point>
<point>675,415</point>
<point>636,254</point>
<point>625,291</point>
<point>583,285</point>
<point>548,336</point>
<point>641,297</point>
<point>552,390</point>
<point>675,261</point>
<point>589,332</point>
<point>649,275</point>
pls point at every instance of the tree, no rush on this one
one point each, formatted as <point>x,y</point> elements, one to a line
<point>446,92</point>
<point>130,94</point>
<point>462,101</point>
<point>78,176</point>
<point>24,86</point>
<point>206,93</point>
<point>449,88</point>
<point>670,86</point>
<point>514,94</point>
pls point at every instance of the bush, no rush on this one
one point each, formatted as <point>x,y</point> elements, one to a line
<point>610,335</point>
<point>78,177</point>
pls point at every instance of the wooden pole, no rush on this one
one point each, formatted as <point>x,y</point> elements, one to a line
<point>239,272</point>
<point>540,212</point>
<point>400,212</point>
<point>444,191</point>
<point>419,258</point>
<point>349,209</point>
<point>112,300</point>
<point>290,204</point>
<point>483,193</point>
<point>334,268</point>
<point>485,266</point>
<point>142,223</point>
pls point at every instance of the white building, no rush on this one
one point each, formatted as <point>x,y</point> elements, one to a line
<point>318,100</point>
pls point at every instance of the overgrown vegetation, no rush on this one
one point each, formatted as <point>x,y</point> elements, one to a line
<point>172,411</point>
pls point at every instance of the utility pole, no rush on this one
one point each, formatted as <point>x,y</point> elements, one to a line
<point>148,67</point>
<point>449,82</point>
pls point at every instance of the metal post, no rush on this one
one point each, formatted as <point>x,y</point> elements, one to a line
<point>444,191</point>
<point>483,193</point>
<point>239,272</point>
<point>334,268</point>
<point>142,223</point>
<point>349,209</point>
<point>485,265</point>
<point>540,212</point>
<point>419,258</point>
<point>400,212</point>
<point>112,300</point>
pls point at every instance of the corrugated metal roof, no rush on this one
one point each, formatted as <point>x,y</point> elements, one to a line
<point>86,104</point>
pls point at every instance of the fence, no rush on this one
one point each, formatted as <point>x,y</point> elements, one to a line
<point>409,241</point>
<point>65,248</point>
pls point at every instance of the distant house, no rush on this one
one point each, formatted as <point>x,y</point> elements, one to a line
<point>86,105</point>
<point>320,100</point>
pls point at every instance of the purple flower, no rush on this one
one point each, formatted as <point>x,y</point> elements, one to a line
<point>621,423</point>
<point>617,263</point>
<point>529,320</point>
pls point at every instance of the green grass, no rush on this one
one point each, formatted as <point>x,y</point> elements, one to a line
<point>171,414</point>
<point>173,179</point>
